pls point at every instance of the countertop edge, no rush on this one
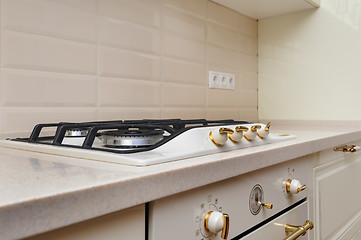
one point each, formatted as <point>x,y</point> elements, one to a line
<point>47,213</point>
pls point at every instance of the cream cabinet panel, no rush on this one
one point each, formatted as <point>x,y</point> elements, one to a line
<point>125,224</point>
<point>267,8</point>
<point>354,232</point>
<point>337,195</point>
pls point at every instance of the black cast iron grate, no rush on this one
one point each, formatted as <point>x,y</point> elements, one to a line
<point>171,128</point>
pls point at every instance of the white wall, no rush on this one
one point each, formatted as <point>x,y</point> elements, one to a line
<point>310,63</point>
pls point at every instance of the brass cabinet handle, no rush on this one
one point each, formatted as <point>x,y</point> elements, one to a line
<point>298,231</point>
<point>347,148</point>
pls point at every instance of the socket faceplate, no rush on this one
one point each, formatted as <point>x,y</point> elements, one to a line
<point>221,80</point>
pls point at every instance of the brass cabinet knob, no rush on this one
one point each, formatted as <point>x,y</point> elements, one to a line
<point>220,137</point>
<point>215,222</point>
<point>294,186</point>
<point>298,231</point>
<point>238,134</point>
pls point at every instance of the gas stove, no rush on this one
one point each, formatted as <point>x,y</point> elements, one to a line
<point>144,142</point>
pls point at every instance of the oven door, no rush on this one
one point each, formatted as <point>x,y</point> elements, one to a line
<point>275,229</point>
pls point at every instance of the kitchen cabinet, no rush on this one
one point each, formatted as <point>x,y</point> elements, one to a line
<point>265,8</point>
<point>125,224</point>
<point>337,195</point>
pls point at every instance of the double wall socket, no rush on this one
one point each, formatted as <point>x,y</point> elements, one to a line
<point>222,80</point>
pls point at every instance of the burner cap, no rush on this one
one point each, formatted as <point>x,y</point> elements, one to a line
<point>76,132</point>
<point>131,138</point>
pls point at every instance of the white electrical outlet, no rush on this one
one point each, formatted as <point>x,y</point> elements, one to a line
<point>222,80</point>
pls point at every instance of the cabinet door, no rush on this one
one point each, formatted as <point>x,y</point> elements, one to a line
<point>337,195</point>
<point>354,232</point>
<point>125,224</point>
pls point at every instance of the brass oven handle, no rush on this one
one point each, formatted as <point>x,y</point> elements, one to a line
<point>347,148</point>
<point>298,231</point>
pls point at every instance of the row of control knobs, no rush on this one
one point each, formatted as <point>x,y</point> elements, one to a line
<point>221,136</point>
<point>216,222</point>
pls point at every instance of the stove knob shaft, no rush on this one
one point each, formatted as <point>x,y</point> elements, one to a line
<point>215,222</point>
<point>252,133</point>
<point>220,137</point>
<point>294,186</point>
<point>238,134</point>
<point>264,132</point>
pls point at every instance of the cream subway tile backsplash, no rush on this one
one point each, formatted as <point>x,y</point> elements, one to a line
<point>248,113</point>
<point>53,18</point>
<point>248,26</point>
<point>195,7</point>
<point>30,51</point>
<point>181,95</point>
<point>248,81</point>
<point>248,63</point>
<point>120,63</point>
<point>59,90</point>
<point>248,44</point>
<point>224,16</point>
<point>224,37</point>
<point>65,60</point>
<point>222,99</point>
<point>228,113</point>
<point>248,99</point>
<point>121,34</point>
<point>183,71</point>
<point>182,48</point>
<point>184,25</point>
<point>184,113</point>
<point>129,93</point>
<point>222,57</point>
<point>115,113</point>
<point>144,12</point>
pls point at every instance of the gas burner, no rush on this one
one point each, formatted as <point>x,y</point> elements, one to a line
<point>131,138</point>
<point>76,132</point>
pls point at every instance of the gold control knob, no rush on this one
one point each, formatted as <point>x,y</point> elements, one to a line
<point>264,132</point>
<point>294,186</point>
<point>298,231</point>
<point>238,134</point>
<point>220,138</point>
<point>215,222</point>
<point>266,205</point>
<point>252,133</point>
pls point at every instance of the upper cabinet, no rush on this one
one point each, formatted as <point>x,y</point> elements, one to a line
<point>259,9</point>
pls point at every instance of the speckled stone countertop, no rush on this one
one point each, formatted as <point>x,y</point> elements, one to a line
<point>41,192</point>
